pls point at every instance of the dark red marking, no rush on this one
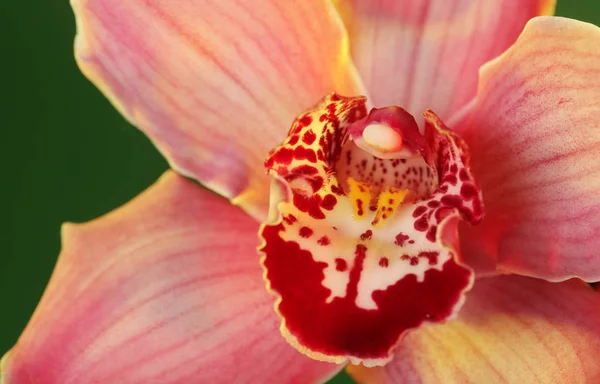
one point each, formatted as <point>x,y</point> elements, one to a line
<point>302,153</point>
<point>468,191</point>
<point>329,202</point>
<point>290,219</point>
<point>341,265</point>
<point>359,209</point>
<point>309,204</point>
<point>452,200</point>
<point>432,257</point>
<point>281,156</point>
<point>309,137</point>
<point>422,224</point>
<point>304,169</point>
<point>442,213</point>
<point>367,235</point>
<point>305,121</point>
<point>449,178</point>
<point>431,233</point>
<point>419,211</point>
<point>384,262</point>
<point>359,257</point>
<point>293,140</point>
<point>400,239</point>
<point>305,232</point>
<point>316,182</point>
<point>337,190</point>
<point>324,241</point>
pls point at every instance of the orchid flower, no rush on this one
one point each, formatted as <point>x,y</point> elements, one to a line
<point>409,189</point>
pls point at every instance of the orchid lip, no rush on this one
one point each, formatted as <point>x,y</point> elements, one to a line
<point>360,248</point>
<point>382,137</point>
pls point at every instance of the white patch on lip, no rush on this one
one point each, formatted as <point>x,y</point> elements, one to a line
<point>343,244</point>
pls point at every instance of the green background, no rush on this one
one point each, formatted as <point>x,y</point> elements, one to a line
<point>67,154</point>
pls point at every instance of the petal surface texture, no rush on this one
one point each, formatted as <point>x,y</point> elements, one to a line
<point>512,329</point>
<point>535,147</point>
<point>425,54</point>
<point>155,292</point>
<point>214,84</point>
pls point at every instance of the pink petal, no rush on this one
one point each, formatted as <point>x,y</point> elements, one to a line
<point>511,330</point>
<point>214,84</point>
<point>425,54</point>
<point>166,289</point>
<point>535,143</point>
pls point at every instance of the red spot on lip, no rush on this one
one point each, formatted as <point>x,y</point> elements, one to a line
<point>329,202</point>
<point>304,169</point>
<point>421,225</point>
<point>384,262</point>
<point>359,210</point>
<point>309,204</point>
<point>290,219</point>
<point>452,200</point>
<point>302,153</point>
<point>450,179</point>
<point>431,233</point>
<point>468,191</point>
<point>305,232</point>
<point>281,156</point>
<point>341,265</point>
<point>432,257</point>
<point>324,240</point>
<point>340,327</point>
<point>293,140</point>
<point>367,235</point>
<point>400,239</point>
<point>337,190</point>
<point>419,211</point>
<point>309,137</point>
<point>306,120</point>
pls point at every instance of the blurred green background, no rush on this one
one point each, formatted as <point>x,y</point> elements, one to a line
<point>67,154</point>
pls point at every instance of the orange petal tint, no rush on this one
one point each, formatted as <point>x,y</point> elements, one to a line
<point>156,292</point>
<point>214,84</point>
<point>535,142</point>
<point>510,330</point>
<point>368,251</point>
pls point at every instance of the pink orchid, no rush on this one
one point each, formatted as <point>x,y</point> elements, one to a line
<point>373,227</point>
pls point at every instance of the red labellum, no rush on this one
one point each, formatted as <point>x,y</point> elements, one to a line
<point>359,248</point>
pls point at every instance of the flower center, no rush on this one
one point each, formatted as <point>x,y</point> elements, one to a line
<point>360,244</point>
